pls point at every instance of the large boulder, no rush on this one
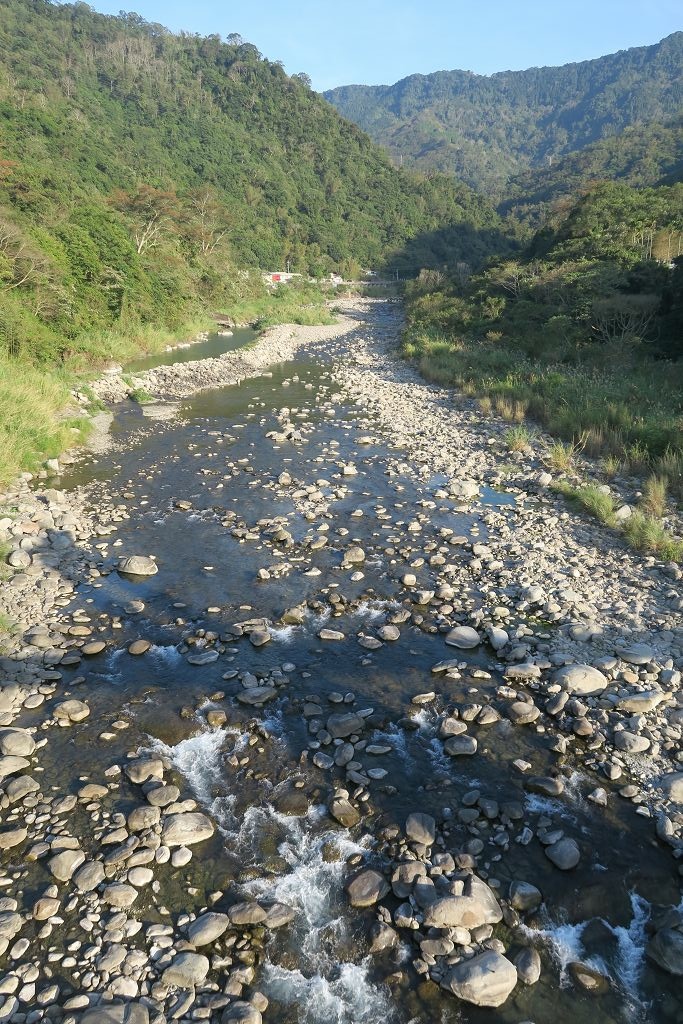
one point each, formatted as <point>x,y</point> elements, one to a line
<point>524,896</point>
<point>119,895</point>
<point>186,970</point>
<point>421,828</point>
<point>186,829</point>
<point>366,888</point>
<point>144,817</point>
<point>138,565</point>
<point>343,811</point>
<point>564,854</point>
<point>581,679</point>
<point>247,913</point>
<point>89,876</point>
<point>476,906</point>
<point>485,980</point>
<point>240,1012</point>
<point>18,742</point>
<point>672,787</point>
<point>207,928</point>
<point>63,864</point>
<point>464,637</point>
<point>345,724</point>
<point>666,950</point>
<point>70,711</point>
<point>10,837</point>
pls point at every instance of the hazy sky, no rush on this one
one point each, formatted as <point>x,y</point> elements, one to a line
<point>380,41</point>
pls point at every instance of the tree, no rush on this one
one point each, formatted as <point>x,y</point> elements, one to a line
<point>152,211</point>
<point>20,262</point>
<point>302,77</point>
<point>623,318</point>
<point>208,219</point>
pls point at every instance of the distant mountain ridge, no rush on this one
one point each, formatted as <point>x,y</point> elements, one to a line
<point>487,129</point>
<point>641,156</point>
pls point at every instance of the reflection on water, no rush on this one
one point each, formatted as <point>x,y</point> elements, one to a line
<point>216,344</point>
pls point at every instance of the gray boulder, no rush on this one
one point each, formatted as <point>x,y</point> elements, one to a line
<point>186,829</point>
<point>564,854</point>
<point>240,1012</point>
<point>666,950</point>
<point>207,928</point>
<point>464,637</point>
<point>421,828</point>
<point>366,888</point>
<point>581,679</point>
<point>342,725</point>
<point>485,980</point>
<point>138,565</point>
<point>186,970</point>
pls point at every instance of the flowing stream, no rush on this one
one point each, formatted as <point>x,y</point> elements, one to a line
<point>180,489</point>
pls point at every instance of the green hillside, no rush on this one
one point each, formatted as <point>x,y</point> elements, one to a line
<point>641,156</point>
<point>147,177</point>
<point>142,172</point>
<point>486,129</point>
<point>582,332</point>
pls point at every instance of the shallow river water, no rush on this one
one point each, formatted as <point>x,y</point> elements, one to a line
<point>250,773</point>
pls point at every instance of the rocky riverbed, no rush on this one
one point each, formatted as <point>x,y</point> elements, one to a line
<point>320,706</point>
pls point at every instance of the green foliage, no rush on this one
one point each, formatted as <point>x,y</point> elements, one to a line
<point>593,499</point>
<point>140,396</point>
<point>647,534</point>
<point>642,156</point>
<point>486,129</point>
<point>517,439</point>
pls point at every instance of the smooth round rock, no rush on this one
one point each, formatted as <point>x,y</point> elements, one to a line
<point>581,679</point>
<point>464,637</point>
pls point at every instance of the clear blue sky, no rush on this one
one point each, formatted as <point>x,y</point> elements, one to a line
<point>380,41</point>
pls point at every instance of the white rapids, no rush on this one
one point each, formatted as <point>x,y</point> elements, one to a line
<point>325,987</point>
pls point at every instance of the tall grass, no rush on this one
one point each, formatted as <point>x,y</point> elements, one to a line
<point>38,419</point>
<point>593,499</point>
<point>634,415</point>
<point>32,422</point>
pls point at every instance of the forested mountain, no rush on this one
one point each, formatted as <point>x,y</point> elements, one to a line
<point>141,173</point>
<point>485,129</point>
<point>641,156</point>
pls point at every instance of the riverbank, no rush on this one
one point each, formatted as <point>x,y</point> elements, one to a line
<point>277,344</point>
<point>364,650</point>
<point>618,431</point>
<point>46,400</point>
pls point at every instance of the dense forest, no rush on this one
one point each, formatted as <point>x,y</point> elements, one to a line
<point>643,155</point>
<point>143,174</point>
<point>486,129</point>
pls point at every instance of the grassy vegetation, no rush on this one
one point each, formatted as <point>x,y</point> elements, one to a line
<point>646,533</point>
<point>303,303</point>
<point>140,396</point>
<point>561,455</point>
<point>642,530</point>
<point>633,417</point>
<point>592,498</point>
<point>517,439</point>
<point>38,417</point>
<point>32,422</point>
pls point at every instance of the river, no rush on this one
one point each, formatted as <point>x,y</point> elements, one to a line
<point>246,526</point>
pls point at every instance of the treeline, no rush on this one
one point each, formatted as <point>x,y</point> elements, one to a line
<point>144,174</point>
<point>608,272</point>
<point>583,332</point>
